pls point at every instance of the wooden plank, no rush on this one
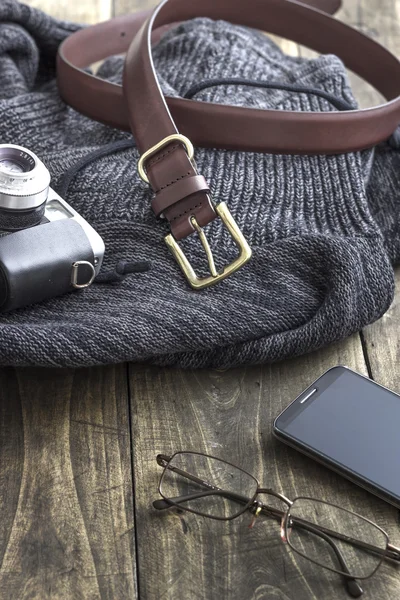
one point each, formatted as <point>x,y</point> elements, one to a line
<point>379,20</point>
<point>123,7</point>
<point>66,495</point>
<point>86,11</point>
<point>361,14</point>
<point>382,339</point>
<point>65,485</point>
<point>230,415</point>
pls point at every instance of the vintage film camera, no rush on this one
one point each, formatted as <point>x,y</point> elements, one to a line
<point>46,247</point>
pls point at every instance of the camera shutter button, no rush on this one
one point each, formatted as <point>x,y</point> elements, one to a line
<point>79,266</point>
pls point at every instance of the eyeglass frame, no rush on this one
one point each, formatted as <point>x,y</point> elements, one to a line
<point>391,552</point>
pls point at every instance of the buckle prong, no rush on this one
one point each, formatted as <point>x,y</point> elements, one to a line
<point>206,246</point>
<point>199,283</point>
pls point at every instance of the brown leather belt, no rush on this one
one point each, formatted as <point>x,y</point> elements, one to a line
<point>181,194</point>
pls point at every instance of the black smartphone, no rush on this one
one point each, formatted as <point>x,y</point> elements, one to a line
<point>350,424</point>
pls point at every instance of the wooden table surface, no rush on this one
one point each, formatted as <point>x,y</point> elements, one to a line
<point>77,453</point>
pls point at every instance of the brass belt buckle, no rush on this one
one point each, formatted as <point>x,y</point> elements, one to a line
<point>198,283</point>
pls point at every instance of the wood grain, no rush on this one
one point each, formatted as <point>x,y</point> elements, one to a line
<point>66,494</point>
<point>383,337</point>
<point>85,11</point>
<point>371,18</point>
<point>382,340</point>
<point>230,415</point>
<point>122,7</point>
<point>66,501</point>
<point>65,485</point>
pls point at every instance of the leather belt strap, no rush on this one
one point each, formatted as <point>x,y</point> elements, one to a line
<point>139,105</point>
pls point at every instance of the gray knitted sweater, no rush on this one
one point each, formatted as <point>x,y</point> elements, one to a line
<point>323,229</point>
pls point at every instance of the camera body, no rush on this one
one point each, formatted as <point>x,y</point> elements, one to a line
<point>46,247</point>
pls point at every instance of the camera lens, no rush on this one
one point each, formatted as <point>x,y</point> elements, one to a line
<point>10,166</point>
<point>15,159</point>
<point>24,186</point>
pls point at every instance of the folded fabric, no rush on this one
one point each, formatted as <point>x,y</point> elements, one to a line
<point>322,228</point>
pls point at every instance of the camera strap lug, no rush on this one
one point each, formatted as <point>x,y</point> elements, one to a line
<point>75,273</point>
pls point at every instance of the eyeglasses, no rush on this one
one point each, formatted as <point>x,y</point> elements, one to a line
<point>329,536</point>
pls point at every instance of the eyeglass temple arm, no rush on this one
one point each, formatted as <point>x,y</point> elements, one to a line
<point>353,587</point>
<point>391,552</point>
<point>163,461</point>
<point>164,504</point>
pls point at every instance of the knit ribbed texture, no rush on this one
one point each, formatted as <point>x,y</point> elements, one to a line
<point>320,268</point>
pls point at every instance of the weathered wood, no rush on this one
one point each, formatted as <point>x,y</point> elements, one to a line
<point>122,7</point>
<point>65,482</point>
<point>382,340</point>
<point>374,18</point>
<point>66,528</point>
<point>85,11</point>
<point>66,497</point>
<point>381,19</point>
<point>230,415</point>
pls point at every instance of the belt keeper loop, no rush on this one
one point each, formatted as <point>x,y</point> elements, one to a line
<point>176,137</point>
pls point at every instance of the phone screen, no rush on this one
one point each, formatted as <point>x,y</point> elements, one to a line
<point>354,423</point>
